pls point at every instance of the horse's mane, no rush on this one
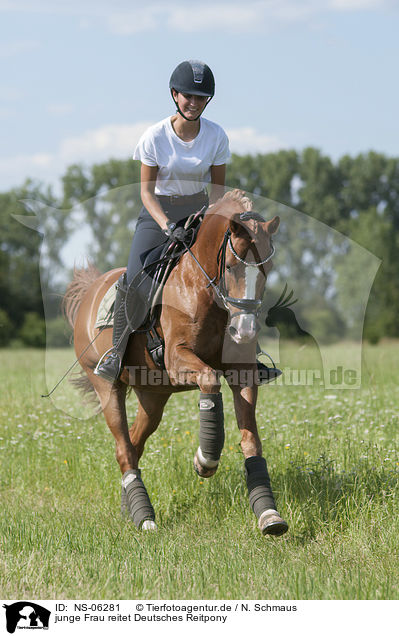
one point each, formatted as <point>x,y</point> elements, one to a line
<point>239,197</point>
<point>246,204</point>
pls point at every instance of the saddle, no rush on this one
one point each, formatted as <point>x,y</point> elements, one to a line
<point>169,256</point>
<point>152,278</point>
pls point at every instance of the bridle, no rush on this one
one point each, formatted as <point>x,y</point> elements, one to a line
<point>248,263</point>
<point>244,305</point>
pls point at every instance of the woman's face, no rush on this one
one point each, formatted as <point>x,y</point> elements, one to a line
<point>190,105</point>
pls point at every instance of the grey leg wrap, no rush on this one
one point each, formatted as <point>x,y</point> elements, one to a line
<point>135,499</point>
<point>211,435</point>
<point>258,483</point>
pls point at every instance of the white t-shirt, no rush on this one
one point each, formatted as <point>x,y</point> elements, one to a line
<point>184,166</point>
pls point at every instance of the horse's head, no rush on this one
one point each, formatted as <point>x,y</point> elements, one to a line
<point>245,261</point>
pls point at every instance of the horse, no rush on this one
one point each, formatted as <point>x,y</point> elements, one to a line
<point>208,322</point>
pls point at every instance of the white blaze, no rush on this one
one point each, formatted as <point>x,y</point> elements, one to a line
<point>251,277</point>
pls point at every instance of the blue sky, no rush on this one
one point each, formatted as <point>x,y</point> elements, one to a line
<point>81,80</point>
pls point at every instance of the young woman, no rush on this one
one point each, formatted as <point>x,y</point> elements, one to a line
<point>179,156</point>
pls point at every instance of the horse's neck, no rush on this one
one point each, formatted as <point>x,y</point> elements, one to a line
<point>209,240</point>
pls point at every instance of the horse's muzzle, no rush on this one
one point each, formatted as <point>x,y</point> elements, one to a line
<point>243,328</point>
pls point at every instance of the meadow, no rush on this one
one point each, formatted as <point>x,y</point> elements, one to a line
<point>333,460</point>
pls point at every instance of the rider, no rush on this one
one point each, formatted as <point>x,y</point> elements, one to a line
<point>179,156</point>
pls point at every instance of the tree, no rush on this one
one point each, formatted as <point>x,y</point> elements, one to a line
<point>321,185</point>
<point>322,204</point>
<point>109,195</point>
<point>268,175</point>
<point>20,290</point>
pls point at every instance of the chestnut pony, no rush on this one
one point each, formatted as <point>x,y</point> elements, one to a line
<point>208,321</point>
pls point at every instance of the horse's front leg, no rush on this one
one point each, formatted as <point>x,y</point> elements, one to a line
<point>184,367</point>
<point>258,481</point>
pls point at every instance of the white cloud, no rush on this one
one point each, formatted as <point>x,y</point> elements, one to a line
<point>126,17</point>
<point>5,113</point>
<point>224,16</point>
<point>207,16</point>
<point>130,22</point>
<point>93,146</point>
<point>9,49</point>
<point>73,7</point>
<point>216,16</point>
<point>250,141</point>
<point>103,143</point>
<point>358,5</point>
<point>10,94</point>
<point>110,141</point>
<point>60,109</point>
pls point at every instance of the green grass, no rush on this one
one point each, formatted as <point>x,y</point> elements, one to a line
<point>334,469</point>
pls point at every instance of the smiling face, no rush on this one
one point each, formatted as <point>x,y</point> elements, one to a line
<point>190,105</point>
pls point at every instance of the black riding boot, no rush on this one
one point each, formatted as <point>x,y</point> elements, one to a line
<point>110,365</point>
<point>266,374</point>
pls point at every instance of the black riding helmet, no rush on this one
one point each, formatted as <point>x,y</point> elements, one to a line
<point>195,78</point>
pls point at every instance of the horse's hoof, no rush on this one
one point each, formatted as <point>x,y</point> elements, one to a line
<point>148,524</point>
<point>203,471</point>
<point>271,523</point>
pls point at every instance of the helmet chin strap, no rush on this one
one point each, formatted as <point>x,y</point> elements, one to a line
<point>195,118</point>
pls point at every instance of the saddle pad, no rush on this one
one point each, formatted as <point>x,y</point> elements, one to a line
<point>103,319</point>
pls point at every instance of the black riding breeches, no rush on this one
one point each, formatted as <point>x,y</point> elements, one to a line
<point>147,237</point>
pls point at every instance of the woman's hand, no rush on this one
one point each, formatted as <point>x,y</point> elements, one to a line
<point>177,234</point>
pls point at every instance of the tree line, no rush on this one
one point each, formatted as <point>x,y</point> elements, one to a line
<point>356,197</point>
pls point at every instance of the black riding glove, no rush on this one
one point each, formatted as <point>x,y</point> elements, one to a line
<point>177,234</point>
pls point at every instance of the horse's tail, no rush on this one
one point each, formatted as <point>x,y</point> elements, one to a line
<point>82,279</point>
<point>80,283</point>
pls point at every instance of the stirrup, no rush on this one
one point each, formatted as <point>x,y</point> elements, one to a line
<point>272,372</point>
<point>104,373</point>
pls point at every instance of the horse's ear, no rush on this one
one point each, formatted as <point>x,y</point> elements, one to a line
<point>272,226</point>
<point>236,226</point>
